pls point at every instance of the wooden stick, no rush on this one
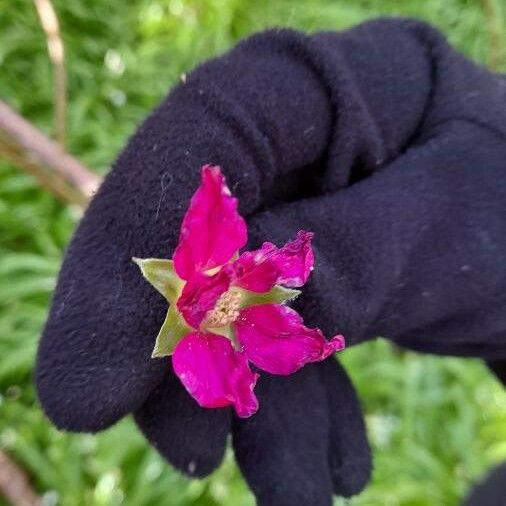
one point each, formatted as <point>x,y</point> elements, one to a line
<point>29,149</point>
<point>14,484</point>
<point>50,25</point>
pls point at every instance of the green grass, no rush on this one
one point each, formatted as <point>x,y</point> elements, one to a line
<point>435,424</point>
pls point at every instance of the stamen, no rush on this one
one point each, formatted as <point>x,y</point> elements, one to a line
<point>226,310</point>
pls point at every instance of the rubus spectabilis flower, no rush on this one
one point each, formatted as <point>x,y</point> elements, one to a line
<point>228,309</point>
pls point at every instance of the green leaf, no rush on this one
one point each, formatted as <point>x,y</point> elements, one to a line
<point>161,274</point>
<point>277,295</point>
<point>172,331</point>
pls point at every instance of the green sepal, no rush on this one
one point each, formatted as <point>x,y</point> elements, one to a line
<point>277,295</point>
<point>172,331</point>
<point>162,275</point>
<point>228,332</point>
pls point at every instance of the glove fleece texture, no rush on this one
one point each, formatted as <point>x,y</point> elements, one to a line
<point>382,140</point>
<point>490,492</point>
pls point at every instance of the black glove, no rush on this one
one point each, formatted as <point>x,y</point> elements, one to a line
<point>490,491</point>
<point>384,142</point>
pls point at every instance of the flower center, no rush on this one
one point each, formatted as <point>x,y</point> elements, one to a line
<point>225,311</point>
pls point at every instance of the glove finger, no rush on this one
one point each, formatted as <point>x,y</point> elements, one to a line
<point>94,362</point>
<point>191,438</point>
<point>349,455</point>
<point>491,491</point>
<point>411,252</point>
<point>283,449</point>
<point>498,367</point>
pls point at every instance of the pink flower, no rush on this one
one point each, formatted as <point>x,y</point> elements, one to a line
<point>226,309</point>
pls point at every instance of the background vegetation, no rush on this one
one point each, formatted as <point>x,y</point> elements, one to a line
<point>435,424</point>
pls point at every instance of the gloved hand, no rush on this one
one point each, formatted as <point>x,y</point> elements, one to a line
<point>490,490</point>
<point>385,143</point>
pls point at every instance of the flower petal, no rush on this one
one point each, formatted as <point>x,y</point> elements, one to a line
<point>200,295</point>
<point>291,265</point>
<point>255,270</point>
<point>212,230</point>
<point>275,339</point>
<point>214,373</point>
<point>295,260</point>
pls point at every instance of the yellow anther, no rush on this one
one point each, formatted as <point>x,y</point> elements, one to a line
<point>225,311</point>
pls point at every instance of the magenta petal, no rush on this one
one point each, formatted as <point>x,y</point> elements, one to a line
<point>256,270</point>
<point>295,260</point>
<point>212,230</point>
<point>291,265</point>
<point>200,295</point>
<point>214,373</point>
<point>275,339</point>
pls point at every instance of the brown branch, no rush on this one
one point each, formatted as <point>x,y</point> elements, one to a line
<point>495,30</point>
<point>14,484</point>
<point>30,150</point>
<point>50,25</point>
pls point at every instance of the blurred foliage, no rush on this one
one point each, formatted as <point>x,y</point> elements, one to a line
<point>435,424</point>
